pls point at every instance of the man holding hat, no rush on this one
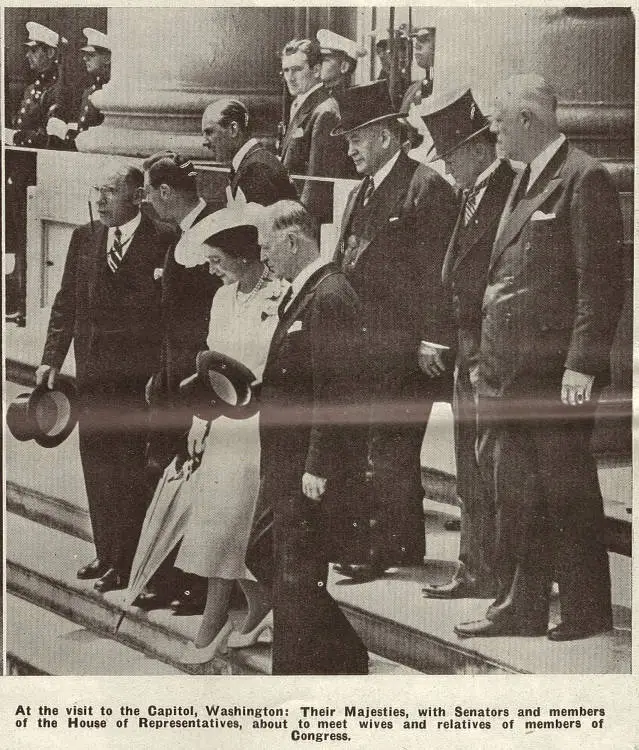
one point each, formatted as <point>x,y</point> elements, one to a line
<point>462,139</point>
<point>339,60</point>
<point>109,306</point>
<point>96,55</point>
<point>424,54</point>
<point>30,120</point>
<point>394,234</point>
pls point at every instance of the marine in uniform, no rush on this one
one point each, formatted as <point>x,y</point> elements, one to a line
<point>339,60</point>
<point>30,120</point>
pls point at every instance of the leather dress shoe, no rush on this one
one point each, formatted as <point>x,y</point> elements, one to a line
<point>459,588</point>
<point>487,628</point>
<point>188,602</point>
<point>150,600</point>
<point>574,631</point>
<point>361,573</point>
<point>111,581</point>
<point>94,569</point>
<point>453,524</point>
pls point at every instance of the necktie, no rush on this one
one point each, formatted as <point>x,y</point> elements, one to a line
<point>232,173</point>
<point>369,189</point>
<point>114,256</point>
<point>522,188</point>
<point>285,300</point>
<point>472,200</point>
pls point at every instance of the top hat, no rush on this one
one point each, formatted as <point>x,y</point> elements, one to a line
<point>364,105</point>
<point>39,34</point>
<point>452,120</point>
<point>331,42</point>
<point>222,386</point>
<point>45,415</point>
<point>96,40</point>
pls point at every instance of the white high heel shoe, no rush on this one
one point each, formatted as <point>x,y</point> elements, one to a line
<point>192,654</point>
<point>244,640</point>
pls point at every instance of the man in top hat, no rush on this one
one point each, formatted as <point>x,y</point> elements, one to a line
<point>30,120</point>
<point>550,312</point>
<point>108,305</point>
<point>394,234</point>
<point>96,55</point>
<point>313,451</point>
<point>462,139</point>
<point>339,60</point>
<point>307,148</point>
<point>255,171</point>
<point>424,54</point>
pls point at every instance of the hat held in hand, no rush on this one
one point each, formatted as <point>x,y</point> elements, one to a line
<point>45,415</point>
<point>222,386</point>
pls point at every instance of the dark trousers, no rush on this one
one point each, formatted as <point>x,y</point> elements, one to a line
<point>311,634</point>
<point>549,515</point>
<point>475,497</point>
<point>117,489</point>
<point>398,494</point>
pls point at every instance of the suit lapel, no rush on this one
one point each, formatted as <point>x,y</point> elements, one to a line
<point>299,303</point>
<point>488,213</point>
<point>546,184</point>
<point>98,256</point>
<point>302,113</point>
<point>246,160</point>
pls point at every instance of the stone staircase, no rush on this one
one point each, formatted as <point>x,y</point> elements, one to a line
<point>57,624</point>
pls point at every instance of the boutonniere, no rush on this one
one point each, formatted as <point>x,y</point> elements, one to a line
<point>297,133</point>
<point>272,302</point>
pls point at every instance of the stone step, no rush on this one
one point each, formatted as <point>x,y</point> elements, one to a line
<point>394,621</point>
<point>44,643</point>
<point>47,582</point>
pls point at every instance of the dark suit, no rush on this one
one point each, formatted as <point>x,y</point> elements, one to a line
<point>113,321</point>
<point>310,382</point>
<point>262,178</point>
<point>464,273</point>
<point>187,294</point>
<point>415,93</point>
<point>392,251</point>
<point>309,149</point>
<point>552,302</point>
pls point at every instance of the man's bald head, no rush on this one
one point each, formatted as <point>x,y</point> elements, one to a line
<point>525,116</point>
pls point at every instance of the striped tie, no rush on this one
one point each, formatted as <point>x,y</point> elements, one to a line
<point>472,201</point>
<point>368,190</point>
<point>114,256</point>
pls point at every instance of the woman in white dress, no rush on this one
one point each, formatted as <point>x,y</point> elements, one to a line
<point>224,489</point>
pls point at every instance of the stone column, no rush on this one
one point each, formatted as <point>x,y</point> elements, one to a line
<point>168,64</point>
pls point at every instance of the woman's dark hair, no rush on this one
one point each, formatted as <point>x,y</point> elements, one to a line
<point>238,242</point>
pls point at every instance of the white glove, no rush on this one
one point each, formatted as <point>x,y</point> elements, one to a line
<point>197,435</point>
<point>57,127</point>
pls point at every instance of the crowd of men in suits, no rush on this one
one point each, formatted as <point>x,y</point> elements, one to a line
<point>513,285</point>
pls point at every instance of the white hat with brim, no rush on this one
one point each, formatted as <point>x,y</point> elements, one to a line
<point>331,42</point>
<point>192,249</point>
<point>96,40</point>
<point>39,34</point>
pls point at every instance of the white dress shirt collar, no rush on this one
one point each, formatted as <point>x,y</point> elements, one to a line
<point>188,221</point>
<point>384,171</point>
<point>237,159</point>
<point>126,233</point>
<point>304,275</point>
<point>301,98</point>
<point>488,171</point>
<point>539,163</point>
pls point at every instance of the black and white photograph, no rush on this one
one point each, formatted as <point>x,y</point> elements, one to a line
<point>318,334</point>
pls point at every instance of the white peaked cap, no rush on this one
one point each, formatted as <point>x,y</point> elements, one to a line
<point>191,249</point>
<point>329,41</point>
<point>39,34</point>
<point>95,39</point>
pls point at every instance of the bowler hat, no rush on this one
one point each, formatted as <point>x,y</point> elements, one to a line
<point>452,120</point>
<point>45,415</point>
<point>364,105</point>
<point>222,386</point>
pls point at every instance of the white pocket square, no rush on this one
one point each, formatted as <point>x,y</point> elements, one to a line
<point>393,219</point>
<point>297,326</point>
<point>297,133</point>
<point>541,216</point>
